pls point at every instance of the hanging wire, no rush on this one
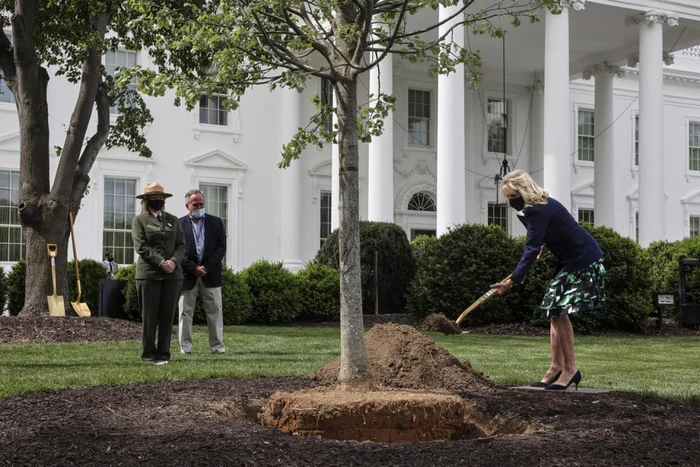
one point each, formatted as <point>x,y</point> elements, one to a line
<point>504,119</point>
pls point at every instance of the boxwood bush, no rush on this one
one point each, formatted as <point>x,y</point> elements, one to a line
<point>396,266</point>
<point>91,272</point>
<point>320,293</point>
<point>661,259</point>
<point>275,297</point>
<point>132,309</point>
<point>457,268</point>
<point>15,287</point>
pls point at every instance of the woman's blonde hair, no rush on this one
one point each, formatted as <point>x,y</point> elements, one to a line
<point>520,182</point>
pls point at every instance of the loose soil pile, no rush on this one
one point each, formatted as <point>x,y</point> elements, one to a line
<point>401,357</point>
<point>440,323</point>
<point>178,423</point>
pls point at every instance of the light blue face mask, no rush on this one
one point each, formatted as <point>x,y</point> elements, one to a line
<point>198,213</point>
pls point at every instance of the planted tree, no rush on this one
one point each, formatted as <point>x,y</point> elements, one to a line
<point>70,36</point>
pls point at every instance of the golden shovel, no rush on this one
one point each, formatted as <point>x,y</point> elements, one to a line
<point>81,309</point>
<point>56,303</point>
<point>479,301</point>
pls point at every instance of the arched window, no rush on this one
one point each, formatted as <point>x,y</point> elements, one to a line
<point>421,202</point>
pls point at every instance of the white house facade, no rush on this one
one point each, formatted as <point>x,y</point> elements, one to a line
<point>601,104</point>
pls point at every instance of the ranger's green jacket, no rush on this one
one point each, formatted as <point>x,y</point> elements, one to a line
<point>156,241</point>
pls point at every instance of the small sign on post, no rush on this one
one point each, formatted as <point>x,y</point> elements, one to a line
<point>662,300</point>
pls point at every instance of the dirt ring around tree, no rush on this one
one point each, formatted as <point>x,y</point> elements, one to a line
<point>381,415</point>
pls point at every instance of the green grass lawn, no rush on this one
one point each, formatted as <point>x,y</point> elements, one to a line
<point>665,366</point>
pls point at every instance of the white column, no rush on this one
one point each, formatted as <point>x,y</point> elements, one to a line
<point>557,112</point>
<point>380,176</point>
<point>451,178</point>
<point>604,144</point>
<point>537,134</point>
<point>335,177</point>
<point>652,199</point>
<point>291,187</point>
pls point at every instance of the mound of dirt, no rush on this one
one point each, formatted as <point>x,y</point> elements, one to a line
<point>43,329</point>
<point>401,357</point>
<point>440,323</point>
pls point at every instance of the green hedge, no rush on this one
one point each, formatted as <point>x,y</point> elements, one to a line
<point>396,265</point>
<point>319,286</point>
<point>16,279</point>
<point>91,272</point>
<point>457,268</point>
<point>275,297</point>
<point>132,309</point>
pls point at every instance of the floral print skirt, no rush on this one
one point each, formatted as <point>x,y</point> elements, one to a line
<point>571,292</point>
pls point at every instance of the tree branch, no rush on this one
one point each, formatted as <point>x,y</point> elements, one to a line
<point>91,78</point>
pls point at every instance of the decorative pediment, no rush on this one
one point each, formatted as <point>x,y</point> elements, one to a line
<point>487,183</point>
<point>216,159</point>
<point>587,189</point>
<point>10,142</point>
<point>693,198</point>
<point>324,169</point>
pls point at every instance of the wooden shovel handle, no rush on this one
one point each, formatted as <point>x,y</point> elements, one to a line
<point>479,301</point>
<point>75,252</point>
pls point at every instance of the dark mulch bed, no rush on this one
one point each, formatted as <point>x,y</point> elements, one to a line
<point>182,423</point>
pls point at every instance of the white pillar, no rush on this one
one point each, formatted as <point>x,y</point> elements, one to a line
<point>451,178</point>
<point>537,134</point>
<point>557,113</point>
<point>652,198</point>
<point>605,177</point>
<point>380,176</point>
<point>291,187</point>
<point>335,176</point>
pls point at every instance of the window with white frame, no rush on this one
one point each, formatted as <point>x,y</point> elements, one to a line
<point>327,99</point>
<point>12,246</point>
<point>421,202</point>
<point>216,197</point>
<point>498,215</point>
<point>115,59</point>
<point>587,216</point>
<point>636,140</point>
<point>694,223</point>
<point>119,210</point>
<point>212,111</point>
<point>694,146</point>
<point>586,135</point>
<point>5,93</point>
<point>419,117</point>
<point>325,215</point>
<point>497,116</point>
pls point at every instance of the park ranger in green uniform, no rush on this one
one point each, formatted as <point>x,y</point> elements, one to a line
<point>160,244</point>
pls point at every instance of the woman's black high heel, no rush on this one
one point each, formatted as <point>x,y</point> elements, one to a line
<point>540,384</point>
<point>559,387</point>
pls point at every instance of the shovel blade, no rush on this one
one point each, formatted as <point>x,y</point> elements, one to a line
<point>56,305</point>
<point>81,309</point>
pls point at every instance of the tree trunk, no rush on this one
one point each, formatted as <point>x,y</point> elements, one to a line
<point>354,366</point>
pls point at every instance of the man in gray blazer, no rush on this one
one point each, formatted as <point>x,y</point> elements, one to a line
<point>205,239</point>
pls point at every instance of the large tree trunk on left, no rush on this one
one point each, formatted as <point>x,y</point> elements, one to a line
<point>43,208</point>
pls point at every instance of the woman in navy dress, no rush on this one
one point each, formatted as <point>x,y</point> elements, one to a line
<point>578,284</point>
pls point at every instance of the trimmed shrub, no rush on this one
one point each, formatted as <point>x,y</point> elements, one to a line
<point>91,272</point>
<point>131,299</point>
<point>319,286</point>
<point>235,297</point>
<point>396,266</point>
<point>3,289</point>
<point>15,287</point>
<point>274,293</point>
<point>663,270</point>
<point>457,268</point>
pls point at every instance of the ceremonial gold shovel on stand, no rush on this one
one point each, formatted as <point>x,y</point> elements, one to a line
<point>479,301</point>
<point>81,309</point>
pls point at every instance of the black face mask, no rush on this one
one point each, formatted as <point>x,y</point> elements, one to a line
<point>517,203</point>
<point>156,204</point>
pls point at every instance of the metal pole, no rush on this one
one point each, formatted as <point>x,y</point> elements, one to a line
<point>376,282</point>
